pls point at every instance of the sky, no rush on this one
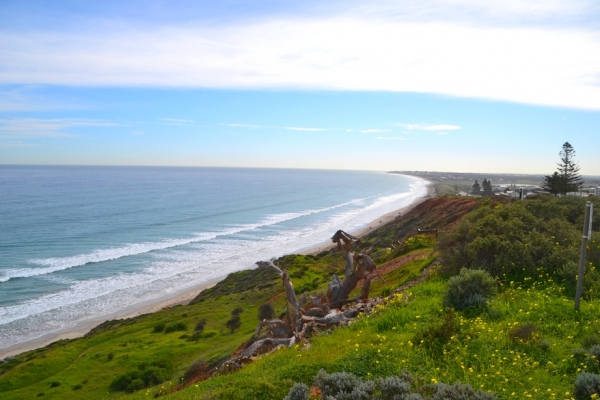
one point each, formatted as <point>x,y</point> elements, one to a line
<point>455,85</point>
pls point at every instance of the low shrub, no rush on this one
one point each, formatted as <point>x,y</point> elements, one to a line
<point>237,311</point>
<point>199,328</point>
<point>586,385</point>
<point>135,384</point>
<point>160,327</point>
<point>78,387</point>
<point>594,360</point>
<point>459,391</point>
<point>154,375</point>
<point>176,327</point>
<point>437,333</point>
<point>590,341</point>
<point>266,311</point>
<point>298,392</point>
<point>121,382</point>
<point>144,376</point>
<point>234,322</point>
<point>545,345</point>
<point>197,336</point>
<point>595,352</point>
<point>338,382</point>
<point>54,384</point>
<point>345,386</point>
<point>568,274</point>
<point>394,387</point>
<point>470,288</point>
<point>516,238</point>
<point>527,333</point>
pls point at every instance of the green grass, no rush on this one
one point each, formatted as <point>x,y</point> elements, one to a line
<point>85,363</point>
<point>91,363</point>
<point>481,353</point>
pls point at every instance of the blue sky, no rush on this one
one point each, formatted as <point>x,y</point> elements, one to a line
<point>457,85</point>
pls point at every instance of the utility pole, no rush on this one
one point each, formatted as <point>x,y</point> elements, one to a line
<point>587,234</point>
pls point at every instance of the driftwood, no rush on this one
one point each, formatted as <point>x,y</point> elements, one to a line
<point>275,328</point>
<point>358,267</point>
<point>293,313</point>
<point>311,314</point>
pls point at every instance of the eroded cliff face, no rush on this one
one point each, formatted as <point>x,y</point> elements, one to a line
<point>437,213</point>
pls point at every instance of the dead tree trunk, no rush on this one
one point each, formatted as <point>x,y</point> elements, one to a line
<point>316,317</point>
<point>358,267</point>
<point>293,306</point>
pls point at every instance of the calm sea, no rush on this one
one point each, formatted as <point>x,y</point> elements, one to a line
<point>81,243</point>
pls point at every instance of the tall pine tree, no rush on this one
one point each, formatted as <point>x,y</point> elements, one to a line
<point>487,187</point>
<point>566,179</point>
<point>551,183</point>
<point>476,189</point>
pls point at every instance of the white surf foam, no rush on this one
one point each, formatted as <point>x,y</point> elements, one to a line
<point>181,268</point>
<point>50,265</point>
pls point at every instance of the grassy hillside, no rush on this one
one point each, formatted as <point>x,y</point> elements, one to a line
<point>480,350</point>
<point>527,342</point>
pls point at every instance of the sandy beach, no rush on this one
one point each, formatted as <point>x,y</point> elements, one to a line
<point>185,296</point>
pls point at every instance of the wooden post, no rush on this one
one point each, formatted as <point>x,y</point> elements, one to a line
<point>587,234</point>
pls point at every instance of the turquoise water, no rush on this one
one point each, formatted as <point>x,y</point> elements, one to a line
<point>79,243</point>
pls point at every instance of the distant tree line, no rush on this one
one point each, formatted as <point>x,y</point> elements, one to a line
<point>484,190</point>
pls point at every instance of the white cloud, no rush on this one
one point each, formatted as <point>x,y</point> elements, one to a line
<point>390,138</point>
<point>429,127</point>
<point>361,49</point>
<point>36,127</point>
<point>477,10</point>
<point>178,120</point>
<point>374,130</point>
<point>246,126</point>
<point>295,128</point>
<point>9,145</point>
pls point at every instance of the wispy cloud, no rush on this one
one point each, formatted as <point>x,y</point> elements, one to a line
<point>289,128</point>
<point>8,145</point>
<point>246,126</point>
<point>442,133</point>
<point>390,138</point>
<point>19,128</point>
<point>374,130</point>
<point>429,127</point>
<point>178,120</point>
<point>295,128</point>
<point>27,99</point>
<point>461,48</point>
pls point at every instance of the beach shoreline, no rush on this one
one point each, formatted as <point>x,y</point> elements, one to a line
<point>185,296</point>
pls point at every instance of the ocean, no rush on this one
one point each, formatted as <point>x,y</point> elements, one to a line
<point>84,243</point>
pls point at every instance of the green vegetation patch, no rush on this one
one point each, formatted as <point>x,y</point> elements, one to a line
<point>481,352</point>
